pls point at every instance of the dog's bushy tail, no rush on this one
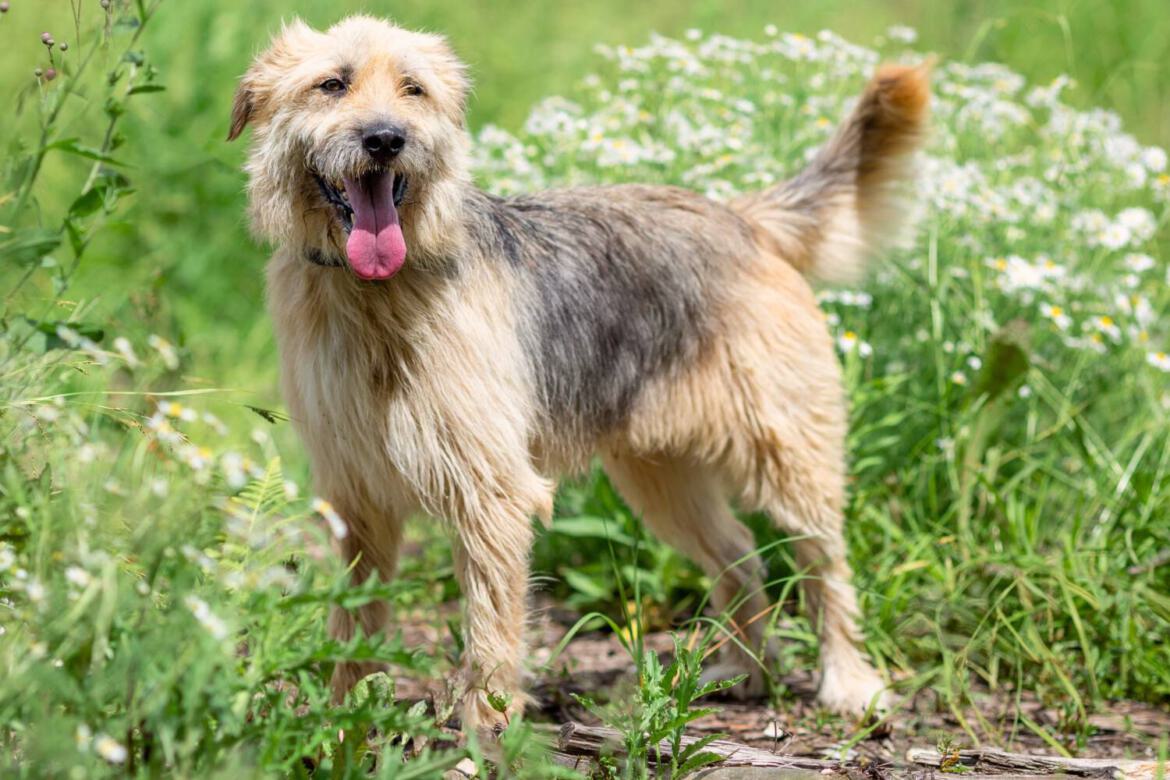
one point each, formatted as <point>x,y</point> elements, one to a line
<point>851,199</point>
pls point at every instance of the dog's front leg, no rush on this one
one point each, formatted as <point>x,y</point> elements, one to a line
<point>371,549</point>
<point>491,549</point>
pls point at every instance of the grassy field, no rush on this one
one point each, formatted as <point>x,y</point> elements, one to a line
<point>164,566</point>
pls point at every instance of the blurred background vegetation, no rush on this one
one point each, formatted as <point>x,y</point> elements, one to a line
<point>185,231</point>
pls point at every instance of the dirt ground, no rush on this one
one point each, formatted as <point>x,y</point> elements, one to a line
<point>595,664</point>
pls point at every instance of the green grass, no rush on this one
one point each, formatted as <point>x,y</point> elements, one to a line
<point>1010,483</point>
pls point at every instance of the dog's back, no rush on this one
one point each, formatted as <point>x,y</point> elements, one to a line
<point>619,286</point>
<point>625,284</point>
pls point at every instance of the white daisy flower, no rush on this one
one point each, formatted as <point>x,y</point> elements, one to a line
<point>165,349</point>
<point>126,350</point>
<point>1057,315</point>
<point>900,33</point>
<point>75,575</point>
<point>337,526</point>
<point>1106,325</point>
<point>1139,263</point>
<point>1154,158</point>
<point>110,749</point>
<point>82,736</point>
<point>208,619</point>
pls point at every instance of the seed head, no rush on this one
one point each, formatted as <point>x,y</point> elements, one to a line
<point>64,46</point>
<point>105,4</point>
<point>3,8</point>
<point>38,72</point>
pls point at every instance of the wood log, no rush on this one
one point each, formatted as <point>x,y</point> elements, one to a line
<point>995,761</point>
<point>576,739</point>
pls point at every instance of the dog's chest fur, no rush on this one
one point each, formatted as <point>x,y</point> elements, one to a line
<point>400,390</point>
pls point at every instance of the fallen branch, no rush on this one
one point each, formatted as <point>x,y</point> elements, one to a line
<point>576,739</point>
<point>992,761</point>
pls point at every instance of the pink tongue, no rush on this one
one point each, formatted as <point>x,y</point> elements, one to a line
<point>376,248</point>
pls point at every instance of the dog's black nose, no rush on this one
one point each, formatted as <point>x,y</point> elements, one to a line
<point>383,142</point>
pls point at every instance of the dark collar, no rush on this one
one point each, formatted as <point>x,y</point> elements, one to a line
<point>318,257</point>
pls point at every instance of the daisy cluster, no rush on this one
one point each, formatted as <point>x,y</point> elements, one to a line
<point>142,464</point>
<point>1035,209</point>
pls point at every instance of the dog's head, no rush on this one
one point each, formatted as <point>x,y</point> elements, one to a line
<point>359,141</point>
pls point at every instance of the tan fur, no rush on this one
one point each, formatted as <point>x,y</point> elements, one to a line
<point>416,395</point>
<point>765,414</point>
<point>850,202</point>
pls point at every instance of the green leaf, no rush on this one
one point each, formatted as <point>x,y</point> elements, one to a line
<point>720,685</point>
<point>499,701</point>
<point>71,146</point>
<point>584,584</point>
<point>268,414</point>
<point>142,89</point>
<point>102,196</point>
<point>590,527</point>
<point>698,761</point>
<point>679,722</point>
<point>377,688</point>
<point>30,245</point>
<point>1005,362</point>
<point>53,340</point>
<point>76,239</point>
<point>88,202</point>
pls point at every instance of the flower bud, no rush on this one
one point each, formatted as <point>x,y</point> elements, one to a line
<point>3,8</point>
<point>50,74</point>
<point>64,46</point>
<point>47,38</point>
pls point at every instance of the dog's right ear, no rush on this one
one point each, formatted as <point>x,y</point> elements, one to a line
<point>294,36</point>
<point>243,108</point>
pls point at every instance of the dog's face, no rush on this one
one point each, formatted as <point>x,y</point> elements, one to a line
<point>356,129</point>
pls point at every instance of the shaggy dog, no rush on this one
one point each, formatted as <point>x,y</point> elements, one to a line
<point>449,352</point>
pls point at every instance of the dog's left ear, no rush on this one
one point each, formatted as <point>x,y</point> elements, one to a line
<point>453,73</point>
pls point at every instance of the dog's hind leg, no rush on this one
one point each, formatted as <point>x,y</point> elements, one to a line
<point>684,505</point>
<point>801,487</point>
<point>849,683</point>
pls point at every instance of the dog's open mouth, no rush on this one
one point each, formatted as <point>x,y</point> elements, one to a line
<point>367,207</point>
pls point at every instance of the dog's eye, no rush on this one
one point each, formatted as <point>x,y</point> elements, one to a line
<point>413,88</point>
<point>333,86</point>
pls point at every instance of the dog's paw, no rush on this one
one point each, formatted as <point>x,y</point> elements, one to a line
<point>854,689</point>
<point>754,687</point>
<point>347,674</point>
<point>488,712</point>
